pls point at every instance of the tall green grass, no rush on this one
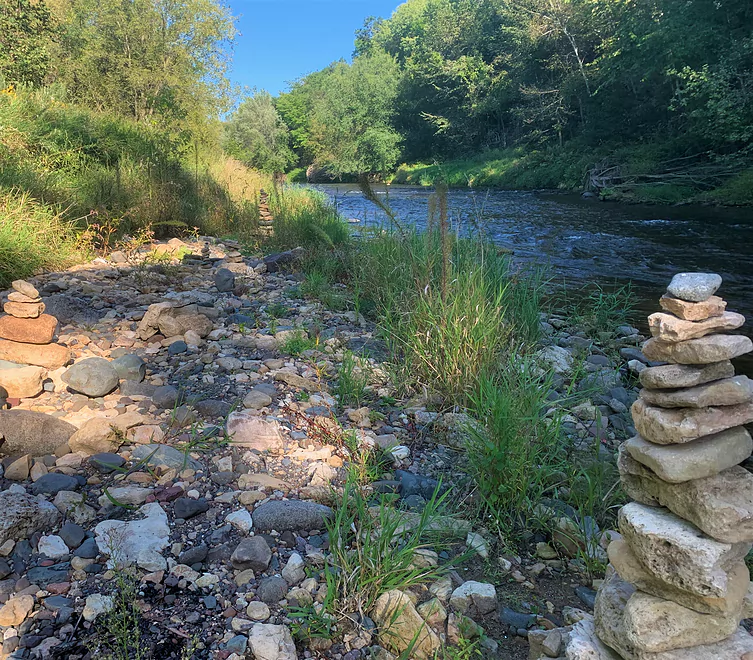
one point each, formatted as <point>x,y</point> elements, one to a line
<point>109,174</point>
<point>449,307</point>
<point>449,319</point>
<point>566,168</point>
<point>516,451</point>
<point>511,169</point>
<point>520,459</point>
<point>305,218</point>
<point>34,238</point>
<point>373,549</point>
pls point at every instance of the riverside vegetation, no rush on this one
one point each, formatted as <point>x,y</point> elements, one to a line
<point>637,101</point>
<point>308,444</point>
<point>422,458</point>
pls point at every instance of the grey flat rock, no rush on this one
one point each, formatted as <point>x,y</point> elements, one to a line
<point>694,287</point>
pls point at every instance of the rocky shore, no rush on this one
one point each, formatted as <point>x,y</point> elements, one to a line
<point>184,460</point>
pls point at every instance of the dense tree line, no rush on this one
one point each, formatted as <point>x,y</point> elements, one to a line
<point>447,78</point>
<point>159,62</point>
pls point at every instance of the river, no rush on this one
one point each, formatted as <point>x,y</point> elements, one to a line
<point>585,242</point>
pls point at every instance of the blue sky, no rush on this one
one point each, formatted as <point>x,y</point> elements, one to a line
<point>281,40</point>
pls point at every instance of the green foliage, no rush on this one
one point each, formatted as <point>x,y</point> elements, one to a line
<point>596,310</point>
<point>297,344</point>
<point>26,29</point>
<point>107,168</point>
<point>372,549</point>
<point>120,636</point>
<point>352,379</point>
<point>319,285</point>
<point>520,456</point>
<point>341,116</point>
<point>67,169</point>
<point>156,61</point>
<point>446,336</point>
<point>256,135</point>
<point>534,93</point>
<point>516,451</point>
<point>118,633</point>
<point>515,169</point>
<point>737,191</point>
<point>33,238</point>
<point>304,218</point>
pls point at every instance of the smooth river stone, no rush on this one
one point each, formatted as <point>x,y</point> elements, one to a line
<point>24,310</point>
<point>677,552</point>
<point>669,328</point>
<point>29,432</point>
<point>690,311</point>
<point>682,375</point>
<point>28,331</point>
<point>721,506</point>
<point>51,356</point>
<point>26,288</point>
<point>610,626</point>
<point>698,459</point>
<point>726,392</point>
<point>15,296</point>
<point>694,287</point>
<point>630,569</point>
<point>704,350</point>
<point>21,382</point>
<point>666,426</point>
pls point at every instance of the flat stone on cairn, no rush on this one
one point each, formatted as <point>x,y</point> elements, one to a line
<point>669,376</point>
<point>25,288</point>
<point>694,287</point>
<point>704,350</point>
<point>677,581</point>
<point>698,459</point>
<point>26,335</point>
<point>691,311</point>
<point>40,330</point>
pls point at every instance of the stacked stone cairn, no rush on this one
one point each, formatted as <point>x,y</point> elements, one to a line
<point>233,254</point>
<point>206,254</point>
<point>677,585</point>
<point>265,215</point>
<point>27,350</point>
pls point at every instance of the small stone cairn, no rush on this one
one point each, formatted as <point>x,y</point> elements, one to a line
<point>233,254</point>
<point>27,350</point>
<point>677,585</point>
<point>206,254</point>
<point>265,215</point>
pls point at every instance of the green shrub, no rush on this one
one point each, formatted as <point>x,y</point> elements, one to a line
<point>305,218</point>
<point>34,238</point>
<point>352,379</point>
<point>738,191</point>
<point>297,344</point>
<point>516,451</point>
<point>117,176</point>
<point>447,326</point>
<point>372,549</point>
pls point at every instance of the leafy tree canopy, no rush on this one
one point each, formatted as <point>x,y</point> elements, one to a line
<point>341,117</point>
<point>26,30</point>
<point>256,135</point>
<point>158,61</point>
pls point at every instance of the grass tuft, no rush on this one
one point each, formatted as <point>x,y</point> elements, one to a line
<point>34,238</point>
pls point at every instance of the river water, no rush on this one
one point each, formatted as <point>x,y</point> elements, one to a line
<point>586,241</point>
